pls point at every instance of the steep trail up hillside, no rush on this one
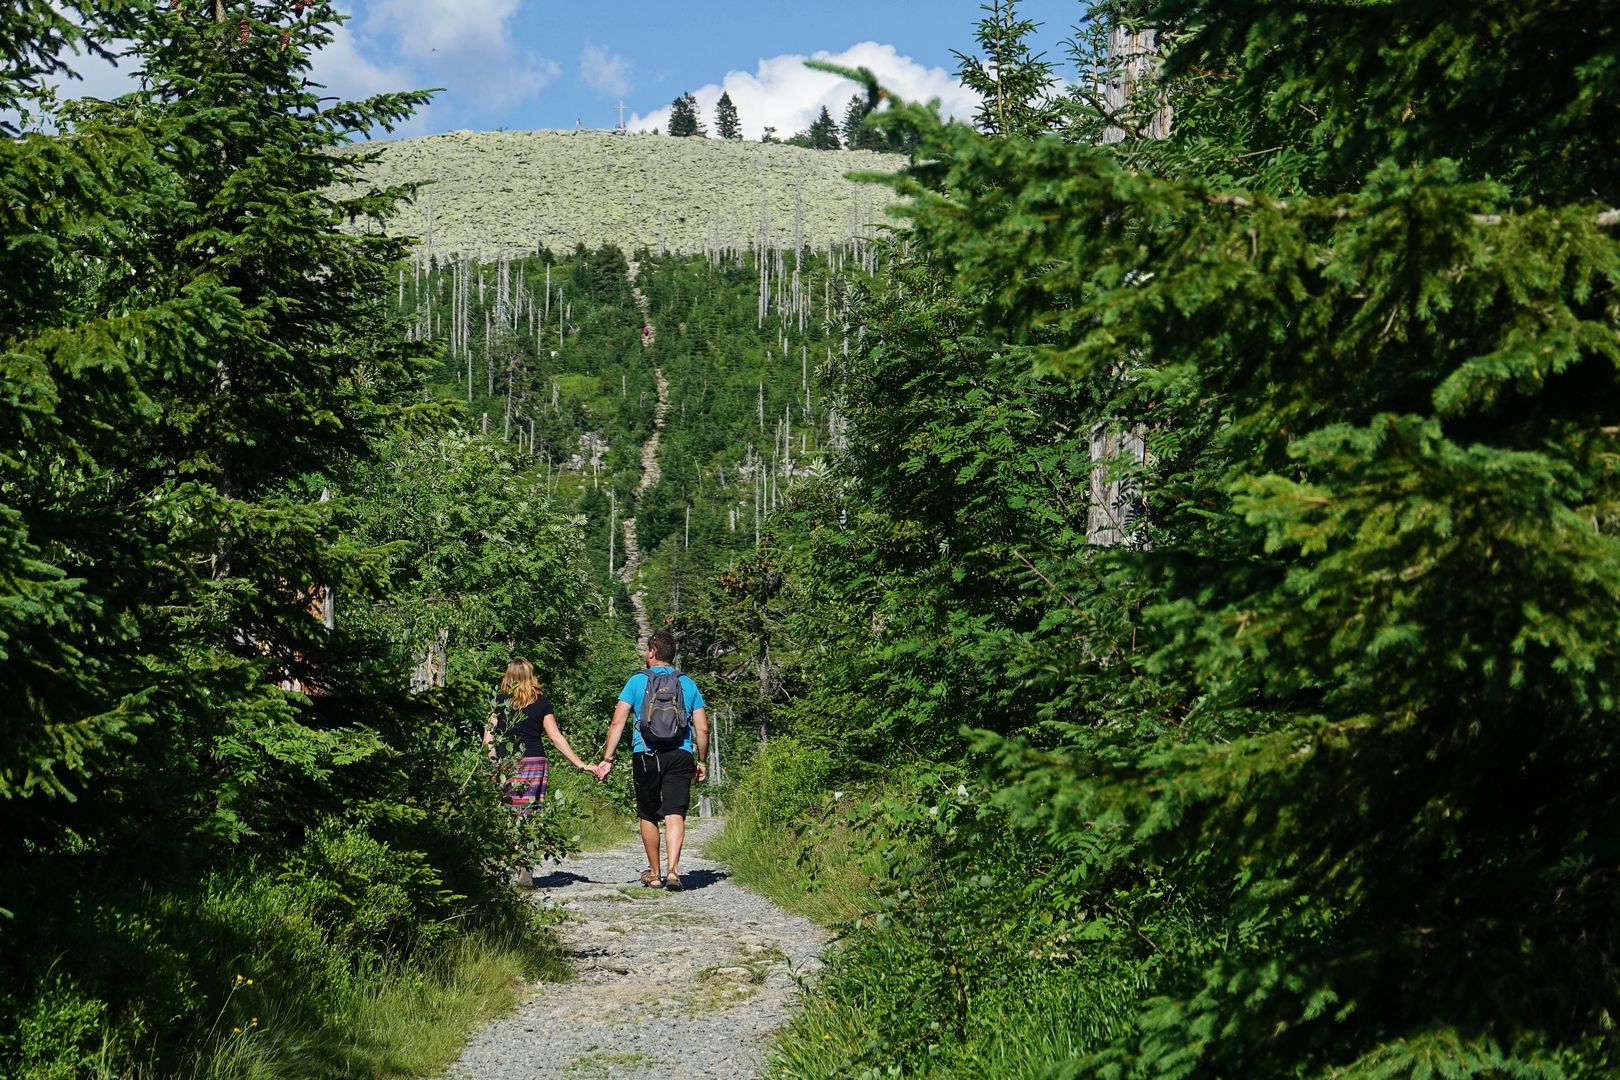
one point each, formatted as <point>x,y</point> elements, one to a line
<point>666,984</point>
<point>650,472</point>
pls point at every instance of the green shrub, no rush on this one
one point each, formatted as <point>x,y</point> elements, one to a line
<point>374,900</point>
<point>785,780</point>
<point>60,1033</point>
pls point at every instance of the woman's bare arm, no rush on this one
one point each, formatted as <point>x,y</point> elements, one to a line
<point>560,741</point>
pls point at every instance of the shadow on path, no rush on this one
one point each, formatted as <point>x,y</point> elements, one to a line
<point>558,878</point>
<point>698,879</point>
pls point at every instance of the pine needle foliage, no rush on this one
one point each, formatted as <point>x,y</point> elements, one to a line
<point>195,347</point>
<point>1323,761</point>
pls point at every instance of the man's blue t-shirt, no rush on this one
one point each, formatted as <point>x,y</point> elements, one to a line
<point>635,688</point>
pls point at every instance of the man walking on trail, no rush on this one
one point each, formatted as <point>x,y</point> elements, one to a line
<point>670,739</point>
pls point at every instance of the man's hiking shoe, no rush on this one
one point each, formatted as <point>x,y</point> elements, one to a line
<point>650,879</point>
<point>672,882</point>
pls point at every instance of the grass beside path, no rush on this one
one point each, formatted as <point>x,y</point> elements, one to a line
<point>392,1023</point>
<point>818,871</point>
<point>411,1021</point>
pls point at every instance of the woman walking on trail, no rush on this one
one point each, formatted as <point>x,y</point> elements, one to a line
<point>522,714</point>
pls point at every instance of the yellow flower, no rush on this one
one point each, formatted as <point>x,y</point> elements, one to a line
<point>236,1031</point>
<point>254,1022</point>
<point>249,982</point>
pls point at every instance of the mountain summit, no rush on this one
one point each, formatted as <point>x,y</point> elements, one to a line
<point>494,193</point>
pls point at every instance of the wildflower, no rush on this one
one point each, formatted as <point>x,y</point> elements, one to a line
<point>254,1022</point>
<point>236,1031</point>
<point>249,982</point>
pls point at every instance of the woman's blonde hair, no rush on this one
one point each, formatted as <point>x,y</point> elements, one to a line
<point>519,684</point>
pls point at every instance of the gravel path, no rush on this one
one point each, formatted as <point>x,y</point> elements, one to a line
<point>666,984</point>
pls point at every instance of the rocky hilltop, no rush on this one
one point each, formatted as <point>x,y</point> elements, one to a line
<point>497,193</point>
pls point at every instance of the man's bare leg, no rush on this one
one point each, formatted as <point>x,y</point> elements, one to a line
<point>674,836</point>
<point>649,840</point>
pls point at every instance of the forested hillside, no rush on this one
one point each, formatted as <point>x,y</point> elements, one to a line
<point>562,359</point>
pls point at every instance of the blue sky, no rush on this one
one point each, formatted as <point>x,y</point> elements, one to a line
<point>548,63</point>
<point>526,64</point>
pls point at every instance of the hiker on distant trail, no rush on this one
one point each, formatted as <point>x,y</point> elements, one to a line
<point>521,714</point>
<point>670,740</point>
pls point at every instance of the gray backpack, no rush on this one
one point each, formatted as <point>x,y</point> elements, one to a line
<point>663,722</point>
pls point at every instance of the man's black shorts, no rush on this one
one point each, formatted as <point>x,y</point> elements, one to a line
<point>663,783</point>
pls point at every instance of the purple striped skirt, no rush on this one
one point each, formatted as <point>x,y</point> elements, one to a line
<point>526,787</point>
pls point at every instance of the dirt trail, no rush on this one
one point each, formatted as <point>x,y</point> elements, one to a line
<point>650,471</point>
<point>666,984</point>
<point>633,558</point>
<point>649,332</point>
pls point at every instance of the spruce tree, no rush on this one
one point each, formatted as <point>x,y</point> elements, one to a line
<point>823,133</point>
<point>1375,355</point>
<point>1319,775</point>
<point>85,346</point>
<point>221,465</point>
<point>683,117</point>
<point>860,134</point>
<point>727,124</point>
<point>1015,84</point>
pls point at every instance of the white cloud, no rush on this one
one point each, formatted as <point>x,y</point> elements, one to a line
<point>345,71</point>
<point>466,46</point>
<point>341,68</point>
<point>605,71</point>
<point>782,93</point>
<point>424,27</point>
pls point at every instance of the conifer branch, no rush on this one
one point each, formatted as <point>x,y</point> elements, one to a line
<point>1606,219</point>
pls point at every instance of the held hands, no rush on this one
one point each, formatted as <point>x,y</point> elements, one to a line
<point>601,769</point>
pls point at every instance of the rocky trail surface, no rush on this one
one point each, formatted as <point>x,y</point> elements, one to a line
<point>666,984</point>
<point>650,471</point>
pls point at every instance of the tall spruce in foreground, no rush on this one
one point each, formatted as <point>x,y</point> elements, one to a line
<point>237,356</point>
<point>82,345</point>
<point>683,117</point>
<point>1390,773</point>
<point>727,124</point>
<point>260,416</point>
<point>1318,776</point>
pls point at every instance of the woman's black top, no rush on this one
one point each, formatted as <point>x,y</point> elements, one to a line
<point>520,732</point>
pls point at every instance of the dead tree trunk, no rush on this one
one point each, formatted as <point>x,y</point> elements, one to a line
<point>1119,448</point>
